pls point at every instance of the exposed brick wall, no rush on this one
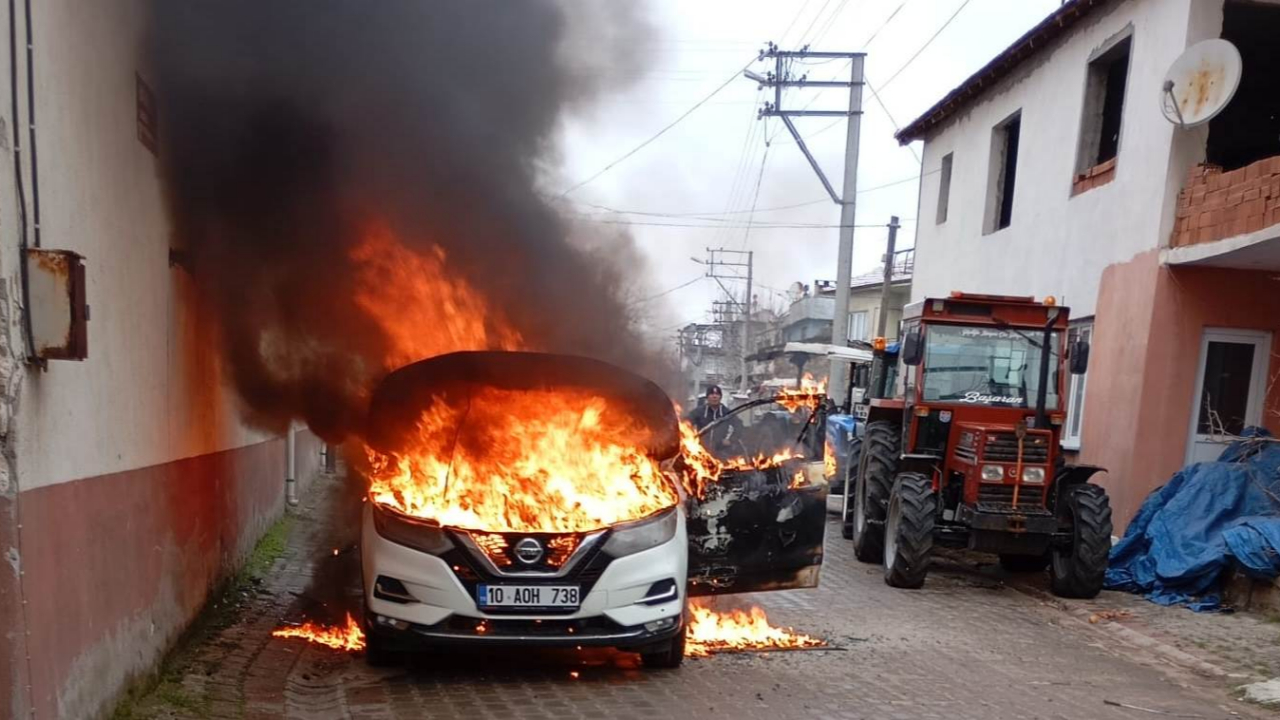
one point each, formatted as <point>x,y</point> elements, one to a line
<point>1096,176</point>
<point>1214,204</point>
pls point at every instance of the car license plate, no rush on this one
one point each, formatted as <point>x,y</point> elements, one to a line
<point>528,596</point>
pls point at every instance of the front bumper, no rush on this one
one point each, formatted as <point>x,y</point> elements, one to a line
<point>439,607</point>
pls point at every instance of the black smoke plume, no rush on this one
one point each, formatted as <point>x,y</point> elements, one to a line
<point>286,125</point>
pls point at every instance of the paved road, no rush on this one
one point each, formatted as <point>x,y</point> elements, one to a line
<point>966,646</point>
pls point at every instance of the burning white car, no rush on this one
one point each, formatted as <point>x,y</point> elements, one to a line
<point>534,499</point>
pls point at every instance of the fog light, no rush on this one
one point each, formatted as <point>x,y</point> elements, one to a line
<point>992,473</point>
<point>390,622</point>
<point>1033,475</point>
<point>662,624</point>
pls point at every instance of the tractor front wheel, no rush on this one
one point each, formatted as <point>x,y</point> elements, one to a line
<point>908,532</point>
<point>879,463</point>
<point>1077,571</point>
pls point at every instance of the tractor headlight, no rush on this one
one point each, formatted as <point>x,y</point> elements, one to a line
<point>1033,475</point>
<point>992,473</point>
<point>410,531</point>
<point>639,536</point>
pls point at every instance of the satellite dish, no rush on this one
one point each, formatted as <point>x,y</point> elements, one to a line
<point>795,292</point>
<point>1200,83</point>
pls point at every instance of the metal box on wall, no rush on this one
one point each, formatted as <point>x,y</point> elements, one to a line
<point>57,304</point>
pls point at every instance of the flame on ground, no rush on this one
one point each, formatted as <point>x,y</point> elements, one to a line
<point>711,631</point>
<point>524,461</point>
<point>349,637</point>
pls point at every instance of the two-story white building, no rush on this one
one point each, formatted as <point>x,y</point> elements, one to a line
<point>1052,171</point>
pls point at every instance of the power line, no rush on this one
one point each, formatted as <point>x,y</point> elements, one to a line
<point>926,44</point>
<point>661,132</point>
<point>888,20</point>
<point>762,226</point>
<point>752,217</point>
<point>892,122</point>
<point>710,216</point>
<point>668,291</point>
<point>821,10</point>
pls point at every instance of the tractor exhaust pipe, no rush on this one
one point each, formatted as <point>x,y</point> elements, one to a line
<point>1042,390</point>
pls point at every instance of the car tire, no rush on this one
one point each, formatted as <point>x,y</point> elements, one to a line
<point>877,466</point>
<point>668,658</point>
<point>1078,571</point>
<point>377,651</point>
<point>908,547</point>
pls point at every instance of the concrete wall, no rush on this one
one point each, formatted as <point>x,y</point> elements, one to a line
<point>1058,244</point>
<point>868,300</point>
<point>1142,379</point>
<point>129,486</point>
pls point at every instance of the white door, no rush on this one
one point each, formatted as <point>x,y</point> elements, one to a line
<point>1231,387</point>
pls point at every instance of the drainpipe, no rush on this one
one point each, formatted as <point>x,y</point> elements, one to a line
<point>291,467</point>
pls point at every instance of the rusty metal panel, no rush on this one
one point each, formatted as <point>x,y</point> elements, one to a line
<point>57,308</point>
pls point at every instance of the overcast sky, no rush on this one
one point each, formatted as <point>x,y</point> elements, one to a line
<point>709,165</point>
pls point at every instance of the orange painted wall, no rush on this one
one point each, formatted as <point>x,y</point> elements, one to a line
<point>1146,351</point>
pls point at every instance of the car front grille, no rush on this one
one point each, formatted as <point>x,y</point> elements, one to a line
<point>472,571</point>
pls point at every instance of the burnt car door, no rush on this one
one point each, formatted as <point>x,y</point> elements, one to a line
<point>759,528</point>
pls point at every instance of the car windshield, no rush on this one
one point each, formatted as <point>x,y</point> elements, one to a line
<point>987,366</point>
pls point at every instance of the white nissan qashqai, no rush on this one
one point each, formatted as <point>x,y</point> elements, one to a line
<point>433,578</point>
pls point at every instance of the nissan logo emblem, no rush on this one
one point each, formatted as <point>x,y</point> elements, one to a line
<point>528,551</point>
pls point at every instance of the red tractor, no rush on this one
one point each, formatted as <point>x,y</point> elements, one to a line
<point>964,451</point>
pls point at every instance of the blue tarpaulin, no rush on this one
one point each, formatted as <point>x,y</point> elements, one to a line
<point>1189,530</point>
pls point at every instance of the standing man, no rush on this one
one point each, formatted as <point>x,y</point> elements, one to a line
<point>718,441</point>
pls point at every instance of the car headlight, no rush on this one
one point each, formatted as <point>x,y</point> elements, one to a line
<point>1033,475</point>
<point>639,536</point>
<point>992,473</point>
<point>410,531</point>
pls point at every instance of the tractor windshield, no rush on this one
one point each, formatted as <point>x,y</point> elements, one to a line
<point>987,366</point>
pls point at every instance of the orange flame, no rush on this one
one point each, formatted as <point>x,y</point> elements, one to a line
<point>420,305</point>
<point>810,394</point>
<point>712,631</point>
<point>828,460</point>
<point>702,469</point>
<point>524,461</point>
<point>349,638</point>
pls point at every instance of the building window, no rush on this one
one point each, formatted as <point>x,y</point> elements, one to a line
<point>858,325</point>
<point>1103,106</point>
<point>1246,129</point>
<point>1075,393</point>
<point>944,187</point>
<point>1004,169</point>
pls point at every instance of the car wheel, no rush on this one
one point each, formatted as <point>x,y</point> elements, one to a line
<point>377,651</point>
<point>668,658</point>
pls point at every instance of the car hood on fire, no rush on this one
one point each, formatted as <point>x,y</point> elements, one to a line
<point>400,399</point>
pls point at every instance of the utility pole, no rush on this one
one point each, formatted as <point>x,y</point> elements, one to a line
<point>888,276</point>
<point>780,78</point>
<point>716,259</point>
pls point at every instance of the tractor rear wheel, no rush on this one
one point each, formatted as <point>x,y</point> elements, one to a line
<point>879,463</point>
<point>1077,571</point>
<point>908,532</point>
<point>1024,563</point>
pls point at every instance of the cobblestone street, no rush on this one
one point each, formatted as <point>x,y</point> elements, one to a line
<point>969,645</point>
